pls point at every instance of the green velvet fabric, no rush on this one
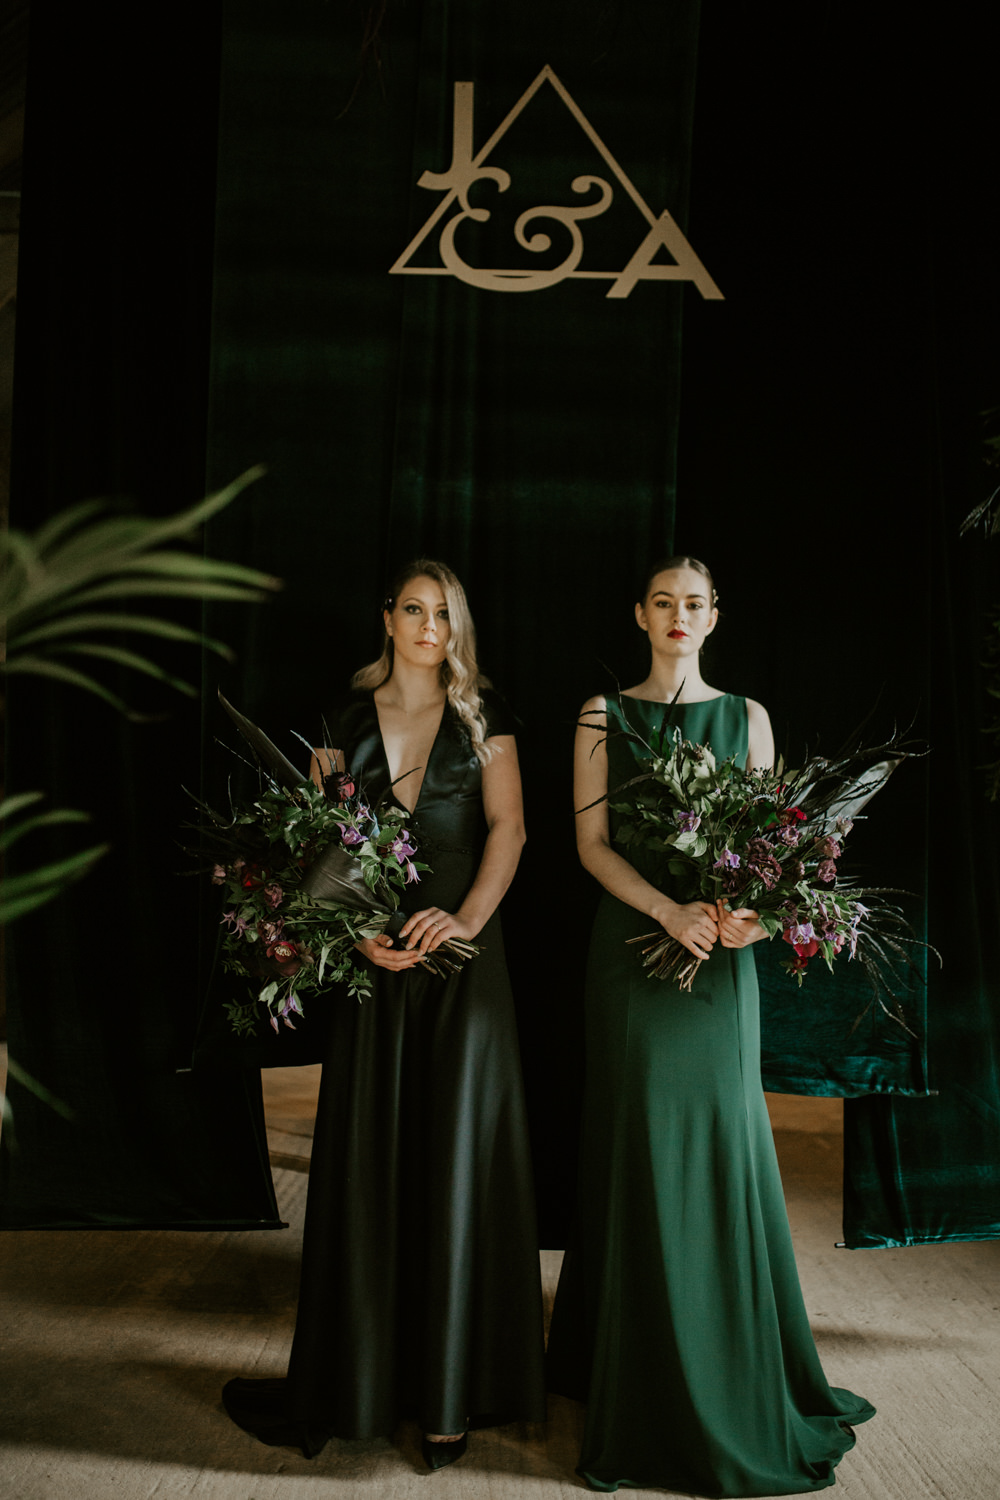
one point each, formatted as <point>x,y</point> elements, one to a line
<point>827,451</point>
<point>830,446</point>
<point>527,438</point>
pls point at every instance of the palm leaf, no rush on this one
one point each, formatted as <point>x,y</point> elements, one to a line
<point>125,658</point>
<point>40,666</point>
<point>58,815</point>
<point>142,624</point>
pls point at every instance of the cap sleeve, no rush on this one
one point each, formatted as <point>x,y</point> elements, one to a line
<point>499,716</point>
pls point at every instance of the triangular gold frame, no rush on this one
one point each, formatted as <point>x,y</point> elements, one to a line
<point>664,231</point>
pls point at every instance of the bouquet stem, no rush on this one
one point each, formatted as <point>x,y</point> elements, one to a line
<point>666,958</point>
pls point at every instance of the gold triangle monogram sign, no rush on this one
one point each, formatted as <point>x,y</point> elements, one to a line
<point>468,167</point>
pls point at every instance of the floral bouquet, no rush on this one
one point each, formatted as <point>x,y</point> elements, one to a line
<point>770,841</point>
<point>306,874</point>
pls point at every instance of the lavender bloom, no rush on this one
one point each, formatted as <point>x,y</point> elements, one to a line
<point>231,920</point>
<point>290,1007</point>
<point>402,848</point>
<point>350,837</point>
<point>859,913</point>
<point>800,932</point>
<point>727,860</point>
<point>687,822</point>
<point>412,874</point>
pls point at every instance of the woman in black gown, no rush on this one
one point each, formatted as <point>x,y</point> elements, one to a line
<point>420,1292</point>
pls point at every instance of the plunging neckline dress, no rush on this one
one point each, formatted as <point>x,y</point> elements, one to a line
<point>420,1292</point>
<point>679,1318</point>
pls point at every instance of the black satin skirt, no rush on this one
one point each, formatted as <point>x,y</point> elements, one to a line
<point>420,1294</point>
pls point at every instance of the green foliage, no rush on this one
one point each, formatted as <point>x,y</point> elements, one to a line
<point>286,938</point>
<point>60,590</point>
<point>768,841</point>
<point>23,893</point>
<point>59,595</point>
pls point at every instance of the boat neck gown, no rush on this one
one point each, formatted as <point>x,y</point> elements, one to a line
<point>420,1291</point>
<point>679,1318</point>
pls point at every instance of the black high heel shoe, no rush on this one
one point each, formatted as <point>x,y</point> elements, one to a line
<point>258,1406</point>
<point>439,1455</point>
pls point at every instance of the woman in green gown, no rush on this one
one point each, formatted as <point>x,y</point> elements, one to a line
<point>679,1319</point>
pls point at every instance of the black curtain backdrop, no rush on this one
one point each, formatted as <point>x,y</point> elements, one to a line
<point>527,438</point>
<point>111,391</point>
<point>827,446</point>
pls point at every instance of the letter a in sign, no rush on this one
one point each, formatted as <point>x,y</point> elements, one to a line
<point>457,216</point>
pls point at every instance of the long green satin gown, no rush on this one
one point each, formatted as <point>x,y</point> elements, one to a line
<point>679,1318</point>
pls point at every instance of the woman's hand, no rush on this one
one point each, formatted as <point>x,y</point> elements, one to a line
<point>695,926</point>
<point>384,953</point>
<point>738,929</point>
<point>428,929</point>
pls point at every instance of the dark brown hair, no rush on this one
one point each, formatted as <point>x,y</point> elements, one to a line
<point>668,564</point>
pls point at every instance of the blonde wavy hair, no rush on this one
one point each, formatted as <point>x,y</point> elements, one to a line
<point>460,674</point>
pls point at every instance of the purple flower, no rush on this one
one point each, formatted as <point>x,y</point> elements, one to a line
<point>789,836</point>
<point>350,837</point>
<point>412,873</point>
<point>687,822</point>
<point>802,938</point>
<point>727,860</point>
<point>826,871</point>
<point>273,895</point>
<point>799,932</point>
<point>291,1007</point>
<point>402,848</point>
<point>237,924</point>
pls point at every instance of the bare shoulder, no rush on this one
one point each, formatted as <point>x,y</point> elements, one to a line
<point>760,736</point>
<point>594,710</point>
<point>757,713</point>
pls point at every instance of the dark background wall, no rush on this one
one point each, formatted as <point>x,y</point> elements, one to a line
<point>827,448</point>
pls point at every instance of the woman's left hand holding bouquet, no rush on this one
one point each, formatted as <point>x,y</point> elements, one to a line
<point>694,925</point>
<point>740,928</point>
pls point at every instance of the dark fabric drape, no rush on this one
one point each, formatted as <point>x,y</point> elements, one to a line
<point>527,438</point>
<point>838,191</point>
<point>830,447</point>
<point>110,395</point>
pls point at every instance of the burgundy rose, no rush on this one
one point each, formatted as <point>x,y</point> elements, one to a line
<point>339,786</point>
